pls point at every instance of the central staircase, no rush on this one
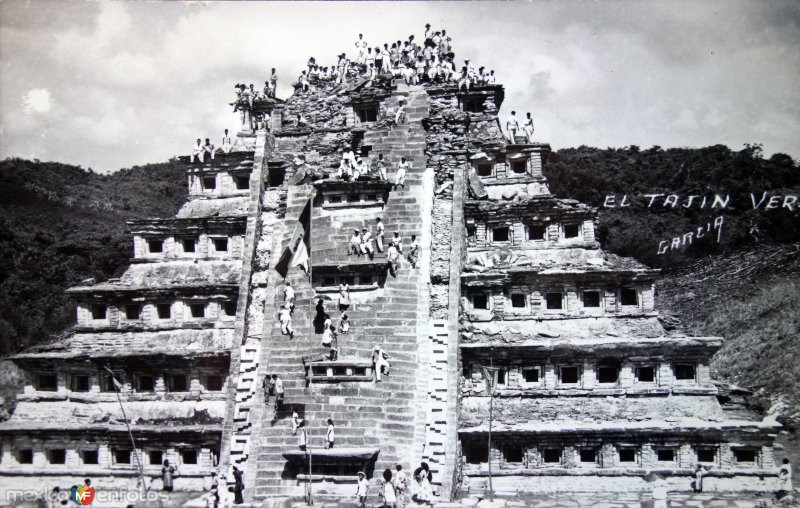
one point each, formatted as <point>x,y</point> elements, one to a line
<point>388,416</point>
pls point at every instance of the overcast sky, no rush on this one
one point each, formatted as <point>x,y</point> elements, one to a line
<point>111,85</point>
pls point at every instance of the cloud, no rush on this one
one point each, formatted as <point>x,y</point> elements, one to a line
<point>37,100</point>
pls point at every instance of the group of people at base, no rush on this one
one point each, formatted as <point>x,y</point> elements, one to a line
<point>395,487</point>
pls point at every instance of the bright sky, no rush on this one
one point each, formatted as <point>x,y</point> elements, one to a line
<point>110,85</point>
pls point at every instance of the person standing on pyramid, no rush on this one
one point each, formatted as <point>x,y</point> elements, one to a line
<point>512,126</point>
<point>361,49</point>
<point>379,234</point>
<point>527,127</point>
<point>330,435</point>
<point>344,297</point>
<point>278,392</point>
<point>288,296</point>
<point>413,252</point>
<point>393,259</point>
<point>400,176</point>
<point>285,319</point>
<point>361,490</point>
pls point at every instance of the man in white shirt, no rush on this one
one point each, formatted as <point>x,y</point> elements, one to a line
<point>288,296</point>
<point>366,243</point>
<point>512,126</point>
<point>369,59</point>
<point>361,49</point>
<point>273,82</point>
<point>528,127</point>
<point>208,148</point>
<point>413,252</point>
<point>393,259</point>
<point>380,165</point>
<point>379,233</point>
<point>400,176</point>
<point>355,243</point>
<point>386,59</point>
<point>198,151</point>
<point>285,319</point>
<point>227,146</point>
<point>361,490</point>
<point>278,392</point>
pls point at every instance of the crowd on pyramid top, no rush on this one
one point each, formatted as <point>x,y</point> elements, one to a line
<point>431,62</point>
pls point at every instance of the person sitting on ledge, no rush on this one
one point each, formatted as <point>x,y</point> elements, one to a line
<point>366,243</point>
<point>490,79</point>
<point>344,172</point>
<point>227,146</point>
<point>481,77</point>
<point>239,97</point>
<point>251,95</point>
<point>360,169</point>
<point>303,81</point>
<point>327,333</point>
<point>355,243</point>
<point>344,325</point>
<point>464,80</point>
<point>398,242</point>
<point>369,59</point>
<point>198,151</point>
<point>208,148</point>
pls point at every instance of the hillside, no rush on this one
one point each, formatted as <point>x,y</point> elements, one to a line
<point>752,299</point>
<point>60,224</point>
<point>590,174</point>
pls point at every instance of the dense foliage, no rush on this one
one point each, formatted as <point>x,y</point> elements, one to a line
<point>590,174</point>
<point>61,224</point>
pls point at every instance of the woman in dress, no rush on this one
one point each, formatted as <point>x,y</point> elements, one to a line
<point>344,297</point>
<point>425,494</point>
<point>344,325</point>
<point>327,333</point>
<point>387,490</point>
